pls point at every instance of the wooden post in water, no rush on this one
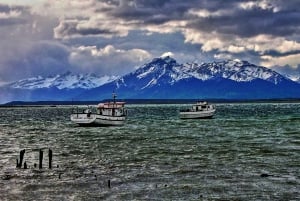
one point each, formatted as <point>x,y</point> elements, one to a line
<point>19,163</point>
<point>22,157</point>
<point>50,158</point>
<point>41,160</point>
<point>108,183</point>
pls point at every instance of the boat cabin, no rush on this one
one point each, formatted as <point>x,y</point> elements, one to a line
<point>201,106</point>
<point>111,109</point>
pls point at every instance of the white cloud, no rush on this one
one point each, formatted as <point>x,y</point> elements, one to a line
<point>263,43</point>
<point>212,41</point>
<point>96,24</point>
<point>204,13</point>
<point>260,44</point>
<point>10,14</point>
<point>292,60</point>
<point>167,54</point>
<point>212,44</point>
<point>223,56</point>
<point>107,60</point>
<point>64,9</point>
<point>262,4</point>
<point>286,45</point>
<point>236,49</point>
<point>110,51</point>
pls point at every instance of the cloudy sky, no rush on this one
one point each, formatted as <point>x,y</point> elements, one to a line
<point>113,37</point>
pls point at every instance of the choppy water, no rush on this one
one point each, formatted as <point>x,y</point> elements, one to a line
<point>155,156</point>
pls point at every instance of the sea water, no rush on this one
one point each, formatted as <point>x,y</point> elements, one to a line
<point>248,151</point>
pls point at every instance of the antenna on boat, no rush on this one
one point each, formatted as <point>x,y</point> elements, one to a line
<point>114,96</point>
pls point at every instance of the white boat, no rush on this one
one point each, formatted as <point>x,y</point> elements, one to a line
<point>200,110</point>
<point>105,114</point>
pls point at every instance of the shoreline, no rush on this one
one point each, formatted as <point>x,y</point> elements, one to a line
<point>142,101</point>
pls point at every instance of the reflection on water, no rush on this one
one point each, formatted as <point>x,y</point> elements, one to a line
<point>155,156</point>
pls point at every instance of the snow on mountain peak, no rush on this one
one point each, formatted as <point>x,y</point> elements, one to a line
<point>162,70</point>
<point>170,71</point>
<point>156,66</point>
<point>237,70</point>
<point>63,81</point>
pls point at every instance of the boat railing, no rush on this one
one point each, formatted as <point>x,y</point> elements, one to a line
<point>83,110</point>
<point>185,110</point>
<point>199,108</point>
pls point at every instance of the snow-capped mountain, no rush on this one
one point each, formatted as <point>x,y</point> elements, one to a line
<point>236,70</point>
<point>289,72</point>
<point>232,79</point>
<point>53,88</point>
<point>294,78</point>
<point>172,72</point>
<point>63,81</point>
<point>161,78</point>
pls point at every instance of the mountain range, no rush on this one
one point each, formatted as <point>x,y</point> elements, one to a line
<point>52,88</point>
<point>161,78</point>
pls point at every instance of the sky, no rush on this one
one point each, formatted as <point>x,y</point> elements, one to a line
<point>113,37</point>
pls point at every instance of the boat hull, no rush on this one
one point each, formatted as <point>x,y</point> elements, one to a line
<point>97,120</point>
<point>197,115</point>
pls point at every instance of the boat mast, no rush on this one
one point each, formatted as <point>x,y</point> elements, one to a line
<point>114,97</point>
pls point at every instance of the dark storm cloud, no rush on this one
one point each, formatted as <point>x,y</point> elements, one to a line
<point>153,12</point>
<point>71,28</point>
<point>279,18</point>
<point>94,31</point>
<point>275,53</point>
<point>144,10</point>
<point>248,23</point>
<point>233,17</point>
<point>22,35</point>
<point>91,32</point>
<point>41,58</point>
<point>48,57</point>
<point>6,8</point>
<point>12,21</point>
<point>12,15</point>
